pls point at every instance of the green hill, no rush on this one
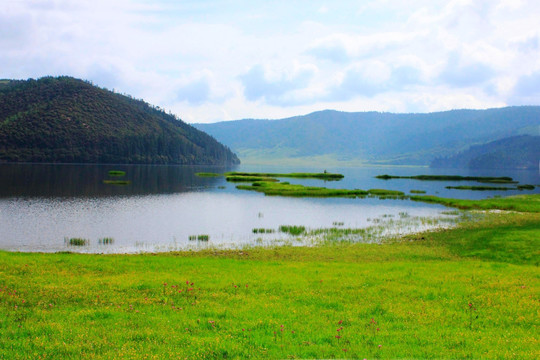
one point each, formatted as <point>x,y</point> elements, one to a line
<point>66,120</point>
<point>517,152</point>
<point>370,137</point>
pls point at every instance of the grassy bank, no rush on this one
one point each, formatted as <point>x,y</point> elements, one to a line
<point>469,292</point>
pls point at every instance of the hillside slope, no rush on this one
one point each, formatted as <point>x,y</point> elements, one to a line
<point>371,137</point>
<point>517,152</point>
<point>67,120</point>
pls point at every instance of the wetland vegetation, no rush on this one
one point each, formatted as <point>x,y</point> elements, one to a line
<point>483,179</point>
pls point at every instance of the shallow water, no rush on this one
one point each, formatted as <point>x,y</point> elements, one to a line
<point>42,205</point>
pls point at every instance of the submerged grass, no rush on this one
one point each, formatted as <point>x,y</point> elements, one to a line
<point>469,292</point>
<point>117,182</point>
<point>117,173</point>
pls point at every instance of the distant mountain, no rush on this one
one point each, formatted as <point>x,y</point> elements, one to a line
<point>332,137</point>
<point>66,120</point>
<point>517,152</point>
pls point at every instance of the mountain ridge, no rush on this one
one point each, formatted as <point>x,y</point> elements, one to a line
<point>371,137</point>
<point>68,120</point>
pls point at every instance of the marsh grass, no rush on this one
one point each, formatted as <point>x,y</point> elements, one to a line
<point>116,173</point>
<point>525,187</point>
<point>522,203</point>
<point>106,241</point>
<point>417,192</point>
<point>238,178</point>
<point>76,241</point>
<point>321,176</point>
<point>202,237</point>
<point>291,190</point>
<point>484,179</point>
<point>263,231</point>
<point>117,182</point>
<point>294,230</point>
<point>208,174</point>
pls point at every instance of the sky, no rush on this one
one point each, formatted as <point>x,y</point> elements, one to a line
<point>216,60</point>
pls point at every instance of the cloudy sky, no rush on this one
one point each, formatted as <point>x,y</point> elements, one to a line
<point>213,60</point>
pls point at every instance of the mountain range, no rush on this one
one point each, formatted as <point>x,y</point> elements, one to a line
<point>67,120</point>
<point>516,152</point>
<point>340,138</point>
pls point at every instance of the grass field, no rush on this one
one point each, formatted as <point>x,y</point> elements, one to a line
<point>469,292</point>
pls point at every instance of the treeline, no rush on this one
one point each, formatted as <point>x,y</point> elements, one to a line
<point>516,152</point>
<point>67,120</point>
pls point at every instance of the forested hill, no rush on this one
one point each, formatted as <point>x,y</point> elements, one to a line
<point>517,152</point>
<point>66,120</point>
<point>335,137</point>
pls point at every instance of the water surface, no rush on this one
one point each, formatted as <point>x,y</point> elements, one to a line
<point>42,205</point>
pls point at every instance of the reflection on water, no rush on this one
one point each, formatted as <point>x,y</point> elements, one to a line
<point>48,180</point>
<point>163,206</point>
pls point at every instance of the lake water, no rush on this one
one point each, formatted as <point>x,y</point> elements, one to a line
<point>42,205</point>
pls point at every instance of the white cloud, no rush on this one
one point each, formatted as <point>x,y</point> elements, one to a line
<point>216,59</point>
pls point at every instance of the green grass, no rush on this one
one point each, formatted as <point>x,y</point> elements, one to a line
<point>525,187</point>
<point>208,174</point>
<point>322,176</point>
<point>484,179</point>
<point>286,189</point>
<point>292,229</point>
<point>522,203</point>
<point>417,191</point>
<point>467,293</point>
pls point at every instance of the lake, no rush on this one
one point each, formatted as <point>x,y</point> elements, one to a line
<point>44,205</point>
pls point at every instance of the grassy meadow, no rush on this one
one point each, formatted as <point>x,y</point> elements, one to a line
<point>469,292</point>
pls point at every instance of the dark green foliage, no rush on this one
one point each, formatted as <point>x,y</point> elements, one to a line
<point>482,179</point>
<point>65,120</point>
<point>525,187</point>
<point>117,173</point>
<point>518,152</point>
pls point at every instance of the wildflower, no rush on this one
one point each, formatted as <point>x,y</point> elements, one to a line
<point>380,346</point>
<point>340,322</point>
